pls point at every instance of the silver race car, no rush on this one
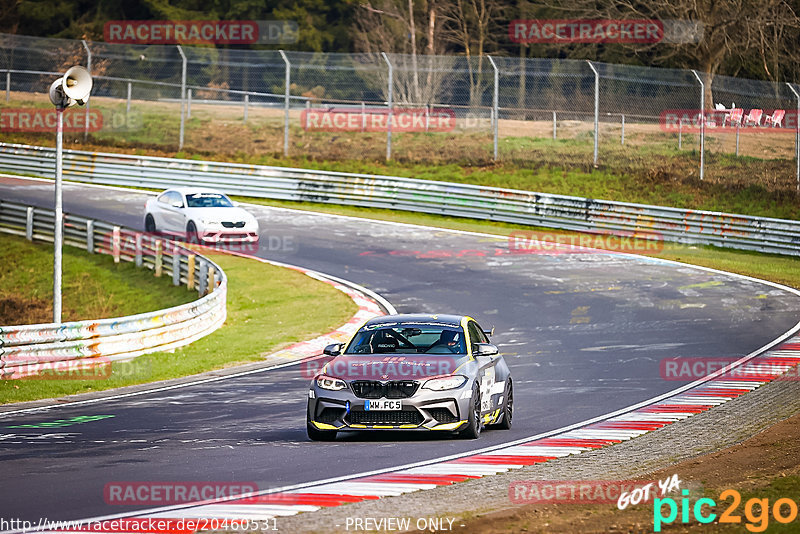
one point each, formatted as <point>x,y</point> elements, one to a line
<point>412,372</point>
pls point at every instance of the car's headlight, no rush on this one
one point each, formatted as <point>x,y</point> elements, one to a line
<point>445,382</point>
<point>327,382</point>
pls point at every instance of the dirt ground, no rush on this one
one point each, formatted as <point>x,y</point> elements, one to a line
<point>754,468</point>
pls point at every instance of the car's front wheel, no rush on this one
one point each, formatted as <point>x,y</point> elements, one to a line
<point>474,423</point>
<point>149,224</point>
<point>191,233</point>
<point>315,434</point>
<point>508,408</point>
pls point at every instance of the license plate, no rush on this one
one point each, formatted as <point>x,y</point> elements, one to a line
<point>383,404</point>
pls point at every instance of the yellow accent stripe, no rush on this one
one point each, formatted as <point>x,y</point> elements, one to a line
<point>324,426</point>
<point>382,426</point>
<point>358,426</point>
<point>448,426</point>
<point>408,426</point>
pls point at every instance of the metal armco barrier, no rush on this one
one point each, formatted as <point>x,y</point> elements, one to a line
<point>30,349</point>
<point>762,234</point>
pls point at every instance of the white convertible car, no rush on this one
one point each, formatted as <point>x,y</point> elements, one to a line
<point>201,215</point>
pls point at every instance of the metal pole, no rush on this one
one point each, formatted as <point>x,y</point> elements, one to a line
<point>8,85</point>
<point>554,125</point>
<point>363,117</point>
<point>88,68</point>
<point>57,223</point>
<point>737,139</point>
<point>389,103</point>
<point>702,124</point>
<point>286,89</point>
<point>796,134</point>
<point>128,105</point>
<point>596,108</point>
<point>495,110</point>
<point>680,134</point>
<point>183,96</point>
<point>622,140</point>
<point>188,103</point>
<point>246,105</point>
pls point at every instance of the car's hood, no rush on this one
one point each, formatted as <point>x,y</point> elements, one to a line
<point>393,366</point>
<point>220,214</point>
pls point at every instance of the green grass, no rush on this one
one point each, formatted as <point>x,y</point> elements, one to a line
<point>93,286</point>
<point>268,307</point>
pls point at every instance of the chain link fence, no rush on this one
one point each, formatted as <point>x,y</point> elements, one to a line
<point>416,108</point>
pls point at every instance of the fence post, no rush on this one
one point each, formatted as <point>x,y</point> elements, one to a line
<point>128,104</point>
<point>737,138</point>
<point>8,85</point>
<point>246,105</point>
<point>176,265</point>
<point>212,278</point>
<point>389,103</point>
<point>702,124</point>
<point>188,103</point>
<point>554,124</point>
<point>495,115</point>
<point>88,103</point>
<point>796,135</point>
<point>190,273</point>
<point>158,259</point>
<point>286,89</point>
<point>90,236</point>
<point>202,278</point>
<point>115,244</point>
<point>29,224</point>
<point>183,95</point>
<point>138,249</point>
<point>680,134</point>
<point>622,138</point>
<point>596,108</point>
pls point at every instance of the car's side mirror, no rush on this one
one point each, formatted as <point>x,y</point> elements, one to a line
<point>484,349</point>
<point>333,349</point>
<point>177,204</point>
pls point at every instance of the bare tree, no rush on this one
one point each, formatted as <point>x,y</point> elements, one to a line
<point>390,26</point>
<point>732,31</point>
<point>471,27</point>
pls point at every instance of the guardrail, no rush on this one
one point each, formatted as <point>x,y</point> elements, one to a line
<point>762,234</point>
<point>32,349</point>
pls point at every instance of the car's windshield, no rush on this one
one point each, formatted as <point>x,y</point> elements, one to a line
<point>208,200</point>
<point>399,338</point>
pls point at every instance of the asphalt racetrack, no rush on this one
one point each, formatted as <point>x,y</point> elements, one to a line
<point>583,334</point>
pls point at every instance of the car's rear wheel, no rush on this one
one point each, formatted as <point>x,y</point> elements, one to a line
<point>316,434</point>
<point>149,224</point>
<point>191,233</point>
<point>508,409</point>
<point>474,423</point>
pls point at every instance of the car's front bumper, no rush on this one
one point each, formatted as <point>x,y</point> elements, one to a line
<point>425,410</point>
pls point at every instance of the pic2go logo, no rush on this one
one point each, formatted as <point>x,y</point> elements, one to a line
<point>756,511</point>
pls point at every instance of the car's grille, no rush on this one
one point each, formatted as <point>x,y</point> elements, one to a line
<point>374,389</point>
<point>443,415</point>
<point>329,415</point>
<point>229,224</point>
<point>387,417</point>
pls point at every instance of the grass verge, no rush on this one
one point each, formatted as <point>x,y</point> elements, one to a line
<point>268,307</point>
<point>93,286</point>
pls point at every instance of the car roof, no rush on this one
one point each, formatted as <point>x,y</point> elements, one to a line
<point>449,319</point>
<point>192,190</point>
